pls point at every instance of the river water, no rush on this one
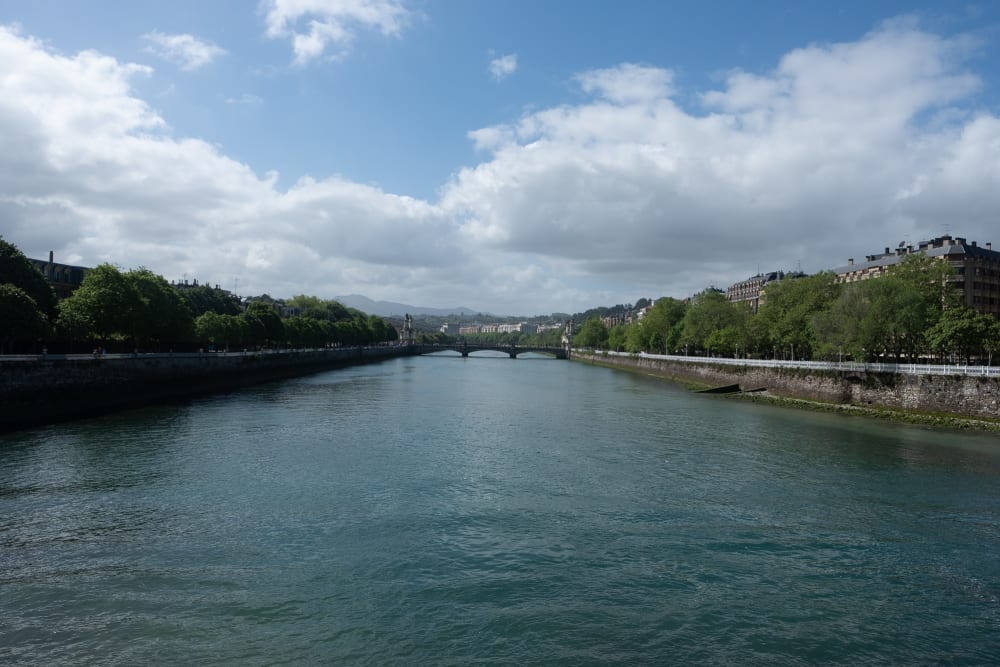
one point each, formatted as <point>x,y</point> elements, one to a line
<point>449,511</point>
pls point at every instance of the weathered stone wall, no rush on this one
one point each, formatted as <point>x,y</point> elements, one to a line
<point>953,394</point>
<point>52,389</point>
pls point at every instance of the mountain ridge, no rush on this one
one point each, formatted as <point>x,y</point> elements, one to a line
<point>393,309</point>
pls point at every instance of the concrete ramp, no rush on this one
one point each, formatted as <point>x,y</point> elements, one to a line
<point>727,389</point>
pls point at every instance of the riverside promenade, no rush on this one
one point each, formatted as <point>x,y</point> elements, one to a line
<point>40,389</point>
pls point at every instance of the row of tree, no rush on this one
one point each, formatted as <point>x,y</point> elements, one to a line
<point>139,309</point>
<point>911,314</point>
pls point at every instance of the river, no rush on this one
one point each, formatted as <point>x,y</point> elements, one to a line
<point>449,511</point>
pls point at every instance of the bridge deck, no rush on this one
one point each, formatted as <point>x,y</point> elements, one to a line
<point>511,350</point>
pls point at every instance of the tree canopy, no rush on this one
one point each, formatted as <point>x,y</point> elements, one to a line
<point>592,333</point>
<point>912,313</point>
<point>20,317</point>
<point>106,306</point>
<point>16,270</point>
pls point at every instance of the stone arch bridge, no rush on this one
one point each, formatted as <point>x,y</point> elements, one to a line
<point>466,348</point>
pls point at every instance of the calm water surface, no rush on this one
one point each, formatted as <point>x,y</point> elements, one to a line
<point>444,511</point>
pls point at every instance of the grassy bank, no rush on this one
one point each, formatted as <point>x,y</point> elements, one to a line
<point>904,416</point>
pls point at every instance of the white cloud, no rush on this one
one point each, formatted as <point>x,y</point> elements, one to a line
<point>628,83</point>
<point>315,25</point>
<point>503,66</point>
<point>838,151</point>
<point>88,170</point>
<point>245,99</point>
<point>186,51</point>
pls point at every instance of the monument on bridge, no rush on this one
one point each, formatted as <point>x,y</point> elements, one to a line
<point>407,336</point>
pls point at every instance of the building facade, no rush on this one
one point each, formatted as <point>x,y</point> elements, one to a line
<point>977,268</point>
<point>496,327</point>
<point>64,278</point>
<point>752,289</point>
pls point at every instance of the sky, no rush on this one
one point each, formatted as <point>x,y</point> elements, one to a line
<point>521,157</point>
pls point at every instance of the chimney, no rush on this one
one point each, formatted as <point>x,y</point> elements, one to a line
<point>989,246</point>
<point>887,250</point>
<point>850,262</point>
<point>51,255</point>
<point>974,244</point>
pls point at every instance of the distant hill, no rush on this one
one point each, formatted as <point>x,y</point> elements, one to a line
<point>390,309</point>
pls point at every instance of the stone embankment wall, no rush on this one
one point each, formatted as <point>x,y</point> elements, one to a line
<point>47,390</point>
<point>952,394</point>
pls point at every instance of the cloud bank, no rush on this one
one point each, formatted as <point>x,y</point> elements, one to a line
<point>837,151</point>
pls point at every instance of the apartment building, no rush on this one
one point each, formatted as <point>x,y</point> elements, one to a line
<point>977,268</point>
<point>752,289</point>
<point>496,327</point>
<point>64,278</point>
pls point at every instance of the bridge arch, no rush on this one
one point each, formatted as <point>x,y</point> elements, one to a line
<point>511,350</point>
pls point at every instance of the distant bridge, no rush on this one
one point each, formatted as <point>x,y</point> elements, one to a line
<point>466,348</point>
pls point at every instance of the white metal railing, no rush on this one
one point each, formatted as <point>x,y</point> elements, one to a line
<point>908,369</point>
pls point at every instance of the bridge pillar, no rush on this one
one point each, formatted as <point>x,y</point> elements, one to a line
<point>513,354</point>
<point>465,353</point>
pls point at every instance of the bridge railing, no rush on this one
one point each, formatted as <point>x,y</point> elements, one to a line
<point>907,369</point>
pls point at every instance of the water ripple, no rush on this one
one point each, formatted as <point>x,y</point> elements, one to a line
<point>451,512</point>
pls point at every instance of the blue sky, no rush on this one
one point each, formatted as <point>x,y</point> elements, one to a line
<point>513,157</point>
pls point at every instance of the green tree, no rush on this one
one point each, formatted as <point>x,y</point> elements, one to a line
<point>932,277</point>
<point>659,331</point>
<point>349,332</point>
<point>264,324</point>
<point>634,339</point>
<point>223,331</point>
<point>307,331</point>
<point>788,314</point>
<point>20,317</point>
<point>16,270</point>
<point>297,330</point>
<point>319,309</point>
<point>106,306</point>
<point>163,316</point>
<point>900,314</point>
<point>709,312</point>
<point>964,333</point>
<point>617,337</point>
<point>378,328</point>
<point>726,341</point>
<point>203,299</point>
<point>592,334</point>
<point>842,329</point>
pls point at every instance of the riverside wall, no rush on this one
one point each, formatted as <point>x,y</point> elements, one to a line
<point>960,395</point>
<point>49,389</point>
